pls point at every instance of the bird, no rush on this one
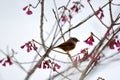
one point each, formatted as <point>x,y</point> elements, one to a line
<point>68,45</point>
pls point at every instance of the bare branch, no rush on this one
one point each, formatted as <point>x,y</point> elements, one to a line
<point>41,26</point>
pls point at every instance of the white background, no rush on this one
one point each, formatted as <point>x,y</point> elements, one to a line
<point>16,28</point>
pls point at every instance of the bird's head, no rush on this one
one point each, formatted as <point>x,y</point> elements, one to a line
<point>73,39</point>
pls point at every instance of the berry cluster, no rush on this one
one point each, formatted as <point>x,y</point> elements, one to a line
<point>90,39</point>
<point>114,42</point>
<point>28,12</point>
<point>86,57</point>
<point>67,12</point>
<point>5,61</point>
<point>99,12</point>
<point>48,64</point>
<point>30,45</point>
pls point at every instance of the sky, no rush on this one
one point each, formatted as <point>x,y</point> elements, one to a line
<point>16,28</point>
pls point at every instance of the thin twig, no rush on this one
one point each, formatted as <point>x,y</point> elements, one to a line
<point>110,11</point>
<point>97,16</point>
<point>41,26</point>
